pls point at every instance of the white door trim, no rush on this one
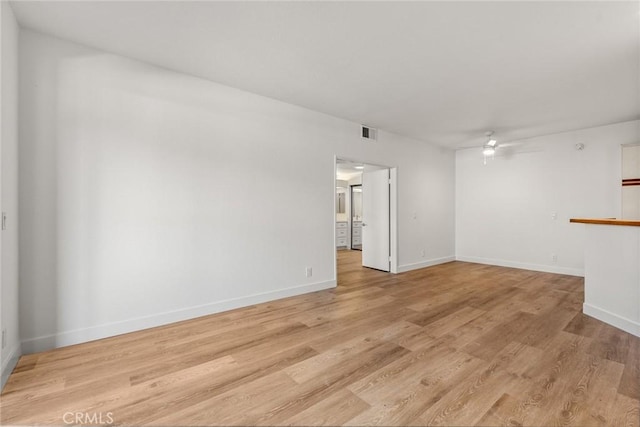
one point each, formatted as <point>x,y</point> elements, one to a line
<point>393,219</point>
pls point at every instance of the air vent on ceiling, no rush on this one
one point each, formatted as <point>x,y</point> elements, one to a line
<point>368,133</point>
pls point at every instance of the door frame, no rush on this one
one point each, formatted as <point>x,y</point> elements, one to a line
<point>393,212</point>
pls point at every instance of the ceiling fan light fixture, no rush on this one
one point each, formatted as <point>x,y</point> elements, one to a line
<point>488,150</point>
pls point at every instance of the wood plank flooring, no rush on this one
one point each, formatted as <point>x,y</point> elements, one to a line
<point>455,344</point>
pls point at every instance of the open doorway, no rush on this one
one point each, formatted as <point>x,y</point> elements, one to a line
<point>365,216</point>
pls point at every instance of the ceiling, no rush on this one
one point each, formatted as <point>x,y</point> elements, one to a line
<point>442,72</point>
<point>347,170</point>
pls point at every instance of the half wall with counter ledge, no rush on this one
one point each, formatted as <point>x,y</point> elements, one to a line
<point>612,272</point>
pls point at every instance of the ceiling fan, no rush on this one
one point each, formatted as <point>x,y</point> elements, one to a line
<point>490,146</point>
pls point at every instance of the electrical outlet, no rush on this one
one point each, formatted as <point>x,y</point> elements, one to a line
<point>422,253</point>
<point>554,215</point>
<point>554,258</point>
<point>4,338</point>
<point>4,220</point>
<point>309,271</point>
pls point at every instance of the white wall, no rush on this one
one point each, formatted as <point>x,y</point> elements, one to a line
<point>149,196</point>
<point>9,187</point>
<point>504,209</point>
<point>612,279</point>
<point>356,180</point>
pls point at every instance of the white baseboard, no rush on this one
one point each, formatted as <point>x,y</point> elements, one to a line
<point>612,319</point>
<point>9,363</point>
<point>78,336</point>
<point>523,265</point>
<point>424,264</point>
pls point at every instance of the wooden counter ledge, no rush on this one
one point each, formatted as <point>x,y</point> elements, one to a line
<point>607,221</point>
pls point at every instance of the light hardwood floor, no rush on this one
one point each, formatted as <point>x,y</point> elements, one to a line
<point>454,344</point>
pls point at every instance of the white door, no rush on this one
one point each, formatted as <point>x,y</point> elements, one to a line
<point>375,219</point>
